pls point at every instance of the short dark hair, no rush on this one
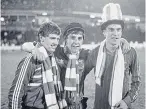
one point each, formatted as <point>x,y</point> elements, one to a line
<point>49,28</point>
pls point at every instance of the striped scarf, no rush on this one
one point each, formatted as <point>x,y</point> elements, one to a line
<point>72,82</point>
<point>72,77</point>
<point>51,83</point>
<point>116,85</point>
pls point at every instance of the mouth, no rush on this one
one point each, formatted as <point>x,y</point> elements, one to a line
<point>53,46</point>
<point>114,44</point>
<point>115,38</point>
<point>76,46</point>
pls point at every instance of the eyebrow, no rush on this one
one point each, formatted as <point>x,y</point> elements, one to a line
<point>115,28</point>
<point>77,35</point>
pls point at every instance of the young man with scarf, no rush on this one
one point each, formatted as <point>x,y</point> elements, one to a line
<point>113,68</point>
<point>36,84</point>
<point>70,59</point>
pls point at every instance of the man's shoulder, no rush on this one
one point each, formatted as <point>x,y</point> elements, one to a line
<point>131,54</point>
<point>22,62</point>
<point>28,60</point>
<point>95,50</point>
<point>132,51</point>
<point>59,51</point>
<point>59,47</point>
<point>84,53</point>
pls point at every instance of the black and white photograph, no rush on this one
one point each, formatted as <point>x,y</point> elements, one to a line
<point>73,54</point>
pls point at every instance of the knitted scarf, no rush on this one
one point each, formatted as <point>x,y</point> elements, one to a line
<point>72,79</point>
<point>72,82</point>
<point>51,83</point>
<point>116,85</point>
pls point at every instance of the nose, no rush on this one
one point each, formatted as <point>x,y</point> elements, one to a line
<point>56,41</point>
<point>116,33</point>
<point>76,40</point>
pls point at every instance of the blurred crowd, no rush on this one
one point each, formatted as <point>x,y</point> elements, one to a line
<point>132,8</point>
<point>17,38</point>
<point>92,35</point>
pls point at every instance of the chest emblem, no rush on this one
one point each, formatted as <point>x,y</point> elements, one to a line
<point>60,61</point>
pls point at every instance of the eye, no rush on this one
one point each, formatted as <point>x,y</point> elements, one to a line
<point>73,37</point>
<point>80,38</point>
<point>119,29</point>
<point>111,29</point>
<point>58,39</point>
<point>52,38</point>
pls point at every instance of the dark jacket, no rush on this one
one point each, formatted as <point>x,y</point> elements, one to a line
<point>62,60</point>
<point>132,70</point>
<point>26,89</point>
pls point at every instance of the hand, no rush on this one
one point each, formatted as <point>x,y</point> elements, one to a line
<point>37,54</point>
<point>126,45</point>
<point>121,105</point>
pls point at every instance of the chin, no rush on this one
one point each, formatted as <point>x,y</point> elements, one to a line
<point>52,50</point>
<point>75,51</point>
<point>115,46</point>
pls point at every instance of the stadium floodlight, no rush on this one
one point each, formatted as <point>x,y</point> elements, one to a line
<point>137,20</point>
<point>92,16</point>
<point>127,19</point>
<point>44,13</point>
<point>2,19</point>
<point>98,24</point>
<point>33,20</point>
<point>5,33</point>
<point>92,24</point>
<point>99,20</point>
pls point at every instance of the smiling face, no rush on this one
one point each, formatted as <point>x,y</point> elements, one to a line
<point>113,33</point>
<point>50,42</point>
<point>74,41</point>
<point>49,35</point>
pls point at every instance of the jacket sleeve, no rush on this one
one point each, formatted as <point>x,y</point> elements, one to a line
<point>135,83</point>
<point>90,63</point>
<point>22,75</point>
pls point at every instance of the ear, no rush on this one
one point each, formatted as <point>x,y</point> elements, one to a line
<point>104,33</point>
<point>65,42</point>
<point>41,38</point>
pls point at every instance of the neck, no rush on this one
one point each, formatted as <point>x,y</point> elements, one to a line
<point>68,51</point>
<point>50,53</point>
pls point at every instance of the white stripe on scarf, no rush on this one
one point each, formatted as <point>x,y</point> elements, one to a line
<point>116,85</point>
<point>71,74</point>
<point>48,78</point>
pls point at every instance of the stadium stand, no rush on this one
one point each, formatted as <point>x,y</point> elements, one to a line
<point>21,16</point>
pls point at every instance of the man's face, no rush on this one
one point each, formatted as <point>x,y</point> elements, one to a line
<point>113,33</point>
<point>74,42</point>
<point>50,42</point>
